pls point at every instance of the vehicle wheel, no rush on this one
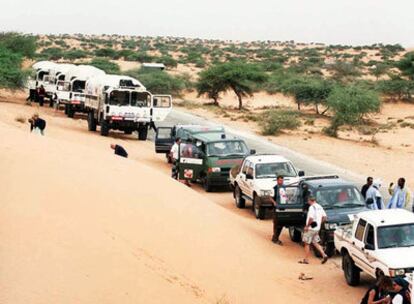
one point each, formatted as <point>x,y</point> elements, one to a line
<point>259,211</point>
<point>66,109</point>
<point>295,235</point>
<point>240,201</point>
<point>51,103</point>
<point>128,132</point>
<point>142,133</point>
<point>91,122</point>
<point>70,112</point>
<point>104,128</point>
<point>206,185</point>
<point>351,272</point>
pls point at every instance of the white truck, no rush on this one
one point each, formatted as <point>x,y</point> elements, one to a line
<point>122,103</point>
<point>379,242</point>
<point>71,91</point>
<point>42,70</point>
<point>255,178</point>
<point>55,76</point>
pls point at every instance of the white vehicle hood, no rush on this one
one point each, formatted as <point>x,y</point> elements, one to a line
<point>402,257</point>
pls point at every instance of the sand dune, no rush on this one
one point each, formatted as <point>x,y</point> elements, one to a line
<point>80,225</point>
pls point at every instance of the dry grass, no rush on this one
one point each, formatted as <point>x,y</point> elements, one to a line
<point>20,119</point>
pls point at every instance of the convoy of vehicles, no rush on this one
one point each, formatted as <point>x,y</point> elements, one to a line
<point>254,180</point>
<point>122,103</point>
<point>379,242</point>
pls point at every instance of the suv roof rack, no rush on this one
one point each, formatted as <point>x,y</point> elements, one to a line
<point>308,178</point>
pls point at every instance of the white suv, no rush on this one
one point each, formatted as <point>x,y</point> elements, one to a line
<point>255,178</point>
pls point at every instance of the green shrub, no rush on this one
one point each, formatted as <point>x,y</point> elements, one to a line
<point>274,121</point>
<point>106,52</point>
<point>52,53</point>
<point>11,75</point>
<point>18,43</point>
<point>106,65</point>
<point>75,54</point>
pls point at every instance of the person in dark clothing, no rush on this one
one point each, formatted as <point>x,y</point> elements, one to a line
<point>365,187</point>
<point>41,93</point>
<point>379,293</point>
<point>401,291</point>
<point>37,124</point>
<point>279,198</point>
<point>119,150</point>
<point>32,95</point>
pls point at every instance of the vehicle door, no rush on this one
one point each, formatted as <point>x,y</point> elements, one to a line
<point>191,162</point>
<point>368,250</point>
<point>164,139</point>
<point>249,182</point>
<point>292,213</point>
<point>357,246</point>
<point>242,182</point>
<point>161,107</point>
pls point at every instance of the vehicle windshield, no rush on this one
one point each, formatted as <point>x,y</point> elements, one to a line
<point>119,98</point>
<point>227,148</point>
<point>396,236</point>
<point>140,99</point>
<point>339,197</point>
<point>272,170</point>
<point>63,86</point>
<point>78,86</point>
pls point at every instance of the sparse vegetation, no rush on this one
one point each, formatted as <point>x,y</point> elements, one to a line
<point>106,65</point>
<point>274,121</point>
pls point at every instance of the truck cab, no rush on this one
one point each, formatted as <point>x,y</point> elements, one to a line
<point>379,242</point>
<point>255,179</point>
<point>42,70</point>
<point>166,136</point>
<point>209,158</point>
<point>339,198</point>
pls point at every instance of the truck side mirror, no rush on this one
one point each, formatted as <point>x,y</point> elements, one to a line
<point>252,151</point>
<point>301,173</point>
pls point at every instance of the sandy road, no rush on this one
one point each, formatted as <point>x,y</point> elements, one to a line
<point>219,251</point>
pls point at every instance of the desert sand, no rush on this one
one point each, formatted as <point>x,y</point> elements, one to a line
<point>81,225</point>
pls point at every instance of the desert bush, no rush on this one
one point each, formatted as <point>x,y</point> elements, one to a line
<point>273,122</point>
<point>75,54</point>
<point>106,65</point>
<point>20,119</point>
<point>52,53</point>
<point>11,74</point>
<point>106,52</point>
<point>19,43</point>
<point>406,65</point>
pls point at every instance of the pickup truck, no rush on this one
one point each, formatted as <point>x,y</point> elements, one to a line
<point>379,242</point>
<point>255,178</point>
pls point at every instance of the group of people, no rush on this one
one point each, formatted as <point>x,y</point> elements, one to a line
<point>388,291</point>
<point>37,95</point>
<point>400,195</point>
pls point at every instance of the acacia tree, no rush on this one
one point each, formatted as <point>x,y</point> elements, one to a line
<point>406,65</point>
<point>242,78</point>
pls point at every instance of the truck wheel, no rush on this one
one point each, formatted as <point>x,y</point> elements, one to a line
<point>51,102</point>
<point>70,112</point>
<point>66,109</point>
<point>206,185</point>
<point>259,211</point>
<point>240,201</point>
<point>91,122</point>
<point>351,272</point>
<point>295,235</point>
<point>104,128</point>
<point>143,133</point>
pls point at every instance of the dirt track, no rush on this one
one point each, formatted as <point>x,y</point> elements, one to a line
<point>79,224</point>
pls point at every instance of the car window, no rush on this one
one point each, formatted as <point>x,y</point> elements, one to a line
<point>339,197</point>
<point>226,148</point>
<point>359,233</point>
<point>396,236</point>
<point>249,170</point>
<point>272,170</point>
<point>369,235</point>
<point>245,166</point>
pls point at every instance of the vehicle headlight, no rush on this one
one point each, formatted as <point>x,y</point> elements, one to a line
<point>330,226</point>
<point>265,192</point>
<point>215,169</point>
<point>397,272</point>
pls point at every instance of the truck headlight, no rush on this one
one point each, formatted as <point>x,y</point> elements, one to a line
<point>265,192</point>
<point>397,272</point>
<point>214,169</point>
<point>330,226</point>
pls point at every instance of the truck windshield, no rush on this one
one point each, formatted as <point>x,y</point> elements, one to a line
<point>339,197</point>
<point>119,98</point>
<point>78,86</point>
<point>140,99</point>
<point>272,170</point>
<point>396,236</point>
<point>227,148</point>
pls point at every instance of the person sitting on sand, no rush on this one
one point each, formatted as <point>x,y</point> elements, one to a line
<point>119,150</point>
<point>37,125</point>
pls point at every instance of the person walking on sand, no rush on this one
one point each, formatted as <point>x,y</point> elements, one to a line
<point>37,125</point>
<point>174,157</point>
<point>41,93</point>
<point>374,199</point>
<point>400,195</point>
<point>378,293</point>
<point>365,187</point>
<point>315,218</point>
<point>119,150</point>
<point>279,198</point>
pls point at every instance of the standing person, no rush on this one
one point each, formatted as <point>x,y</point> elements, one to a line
<point>41,93</point>
<point>316,216</point>
<point>374,199</point>
<point>402,294</point>
<point>32,95</point>
<point>119,150</point>
<point>37,125</point>
<point>400,195</point>
<point>174,157</point>
<point>279,198</point>
<point>365,187</point>
<point>378,294</point>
